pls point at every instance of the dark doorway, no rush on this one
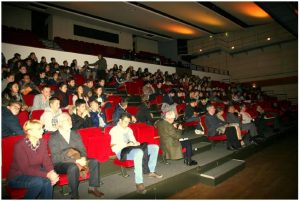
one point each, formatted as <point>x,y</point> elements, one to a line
<point>39,24</point>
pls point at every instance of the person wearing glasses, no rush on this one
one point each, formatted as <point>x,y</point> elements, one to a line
<point>31,167</point>
<point>10,122</point>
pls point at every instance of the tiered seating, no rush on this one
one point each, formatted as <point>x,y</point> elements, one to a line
<point>20,37</point>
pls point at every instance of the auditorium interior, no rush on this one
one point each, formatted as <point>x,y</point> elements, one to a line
<point>240,54</point>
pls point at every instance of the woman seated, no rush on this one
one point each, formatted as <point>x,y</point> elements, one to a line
<point>62,95</point>
<point>221,129</point>
<point>31,167</point>
<point>79,94</point>
<point>12,93</point>
<point>215,127</point>
<point>101,98</point>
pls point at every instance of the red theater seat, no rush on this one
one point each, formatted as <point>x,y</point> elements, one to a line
<point>23,116</point>
<point>36,114</point>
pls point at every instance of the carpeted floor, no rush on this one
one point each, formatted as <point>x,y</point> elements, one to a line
<point>271,173</point>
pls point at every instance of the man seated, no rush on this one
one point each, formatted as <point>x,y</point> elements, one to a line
<point>97,116</point>
<point>121,109</point>
<point>60,142</point>
<point>215,127</point>
<point>81,117</point>
<point>10,121</point>
<point>191,115</point>
<point>122,137</point>
<point>170,134</point>
<point>49,117</point>
<point>41,101</point>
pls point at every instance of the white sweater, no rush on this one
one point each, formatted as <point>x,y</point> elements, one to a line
<point>120,137</point>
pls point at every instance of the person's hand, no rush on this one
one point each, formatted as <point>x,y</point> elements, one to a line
<point>175,125</point>
<point>130,144</point>
<point>82,161</point>
<point>102,104</point>
<point>85,113</point>
<point>24,107</point>
<point>53,177</point>
<point>151,115</point>
<point>133,119</point>
<point>180,127</point>
<point>137,144</point>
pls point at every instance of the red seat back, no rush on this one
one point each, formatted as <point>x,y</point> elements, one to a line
<point>7,152</point>
<point>23,116</point>
<point>28,99</point>
<point>36,114</point>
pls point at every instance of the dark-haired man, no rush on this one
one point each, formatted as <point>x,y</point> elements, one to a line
<point>81,117</point>
<point>10,121</point>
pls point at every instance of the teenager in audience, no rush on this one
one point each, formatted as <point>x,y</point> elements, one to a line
<point>168,103</point>
<point>97,116</point>
<point>62,95</point>
<point>49,117</point>
<point>190,115</point>
<point>170,135</point>
<point>122,137</point>
<point>60,143</point>
<point>54,80</point>
<point>12,93</point>
<point>19,75</point>
<point>148,89</point>
<point>71,86</point>
<point>41,101</point>
<point>31,167</point>
<point>27,86</point>
<point>81,117</point>
<point>101,97</point>
<point>121,109</point>
<point>41,79</point>
<point>9,78</point>
<point>79,94</point>
<point>10,122</point>
<point>88,87</point>
<point>144,114</point>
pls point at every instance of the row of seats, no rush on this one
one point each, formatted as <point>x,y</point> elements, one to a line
<point>97,144</point>
<point>21,37</point>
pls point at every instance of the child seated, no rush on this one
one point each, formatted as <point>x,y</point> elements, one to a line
<point>98,118</point>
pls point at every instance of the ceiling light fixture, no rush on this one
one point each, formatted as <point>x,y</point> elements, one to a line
<point>200,50</point>
<point>232,47</point>
<point>268,38</point>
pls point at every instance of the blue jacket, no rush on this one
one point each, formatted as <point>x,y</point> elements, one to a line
<point>10,123</point>
<point>117,114</point>
<point>95,118</point>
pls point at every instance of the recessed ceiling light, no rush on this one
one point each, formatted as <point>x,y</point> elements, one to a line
<point>210,36</point>
<point>268,38</point>
<point>226,34</point>
<point>232,47</point>
<point>200,50</point>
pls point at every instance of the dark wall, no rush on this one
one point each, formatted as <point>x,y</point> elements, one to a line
<point>168,49</point>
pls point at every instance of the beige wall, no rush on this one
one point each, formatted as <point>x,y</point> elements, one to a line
<point>16,17</point>
<point>143,44</point>
<point>63,27</point>
<point>289,91</point>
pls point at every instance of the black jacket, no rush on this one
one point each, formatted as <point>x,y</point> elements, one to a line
<point>10,123</point>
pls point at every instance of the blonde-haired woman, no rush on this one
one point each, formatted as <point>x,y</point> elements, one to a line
<point>31,167</point>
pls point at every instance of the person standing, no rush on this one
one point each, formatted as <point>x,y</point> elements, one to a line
<point>101,67</point>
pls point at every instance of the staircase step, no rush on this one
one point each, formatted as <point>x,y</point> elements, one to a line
<point>200,147</point>
<point>220,173</point>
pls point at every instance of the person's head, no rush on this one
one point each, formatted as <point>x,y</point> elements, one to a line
<point>43,59</point>
<point>94,105</point>
<point>220,110</point>
<point>98,90</point>
<point>42,74</point>
<point>124,120</point>
<point>124,103</point>
<point>193,102</point>
<point>65,63</point>
<point>53,60</point>
<point>14,107</point>
<point>102,82</point>
<point>80,106</point>
<point>12,87</point>
<point>63,87</point>
<point>23,69</point>
<point>33,129</point>
<point>231,109</point>
<point>54,103</point>
<point>46,91</point>
<point>172,92</point>
<point>79,89</point>
<point>170,116</point>
<point>26,78</point>
<point>203,100</point>
<point>90,83</point>
<point>10,77</point>
<point>86,63</point>
<point>99,56</point>
<point>17,56</point>
<point>64,122</point>
<point>71,82</point>
<point>211,109</point>
<point>243,107</point>
<point>159,85</point>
